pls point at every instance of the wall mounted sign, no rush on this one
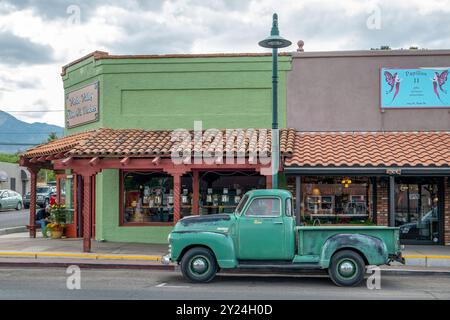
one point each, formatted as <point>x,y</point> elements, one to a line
<point>82,105</point>
<point>415,88</point>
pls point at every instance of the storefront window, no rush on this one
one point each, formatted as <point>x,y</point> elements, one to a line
<point>220,192</point>
<point>186,195</point>
<point>147,197</point>
<point>66,196</point>
<point>417,210</point>
<point>336,199</point>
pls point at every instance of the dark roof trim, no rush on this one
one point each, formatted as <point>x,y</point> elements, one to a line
<point>372,171</point>
<point>99,55</point>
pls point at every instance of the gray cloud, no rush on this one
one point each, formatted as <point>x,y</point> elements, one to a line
<point>17,50</point>
<point>9,84</point>
<point>315,22</point>
<point>57,9</point>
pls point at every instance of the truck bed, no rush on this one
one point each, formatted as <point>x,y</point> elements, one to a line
<point>310,240</point>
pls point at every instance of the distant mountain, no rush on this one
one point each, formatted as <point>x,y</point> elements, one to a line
<point>15,133</point>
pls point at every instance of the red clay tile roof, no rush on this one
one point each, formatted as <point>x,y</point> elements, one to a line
<point>146,143</point>
<point>371,149</point>
<point>299,149</point>
<point>61,145</point>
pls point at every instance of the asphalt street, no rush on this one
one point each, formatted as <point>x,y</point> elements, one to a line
<point>32,283</point>
<point>13,218</point>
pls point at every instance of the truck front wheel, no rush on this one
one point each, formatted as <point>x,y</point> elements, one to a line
<point>199,265</point>
<point>347,268</point>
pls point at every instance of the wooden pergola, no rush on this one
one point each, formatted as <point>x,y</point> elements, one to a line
<point>88,153</point>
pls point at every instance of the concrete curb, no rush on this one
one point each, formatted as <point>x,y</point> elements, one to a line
<point>91,256</point>
<point>417,272</point>
<point>13,230</point>
<point>427,260</point>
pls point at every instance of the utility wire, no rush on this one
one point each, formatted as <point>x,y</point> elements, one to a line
<point>29,111</point>
<point>18,144</point>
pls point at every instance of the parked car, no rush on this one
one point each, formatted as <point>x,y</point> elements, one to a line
<point>10,199</point>
<point>425,229</point>
<point>261,234</point>
<point>43,195</point>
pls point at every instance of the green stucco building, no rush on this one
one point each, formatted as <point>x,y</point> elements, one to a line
<point>169,92</point>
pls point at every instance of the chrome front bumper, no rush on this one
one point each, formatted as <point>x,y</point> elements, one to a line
<point>165,259</point>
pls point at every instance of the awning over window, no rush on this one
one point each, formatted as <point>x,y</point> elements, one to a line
<point>370,149</point>
<point>105,142</point>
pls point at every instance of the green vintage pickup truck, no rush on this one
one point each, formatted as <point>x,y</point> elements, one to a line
<point>261,234</point>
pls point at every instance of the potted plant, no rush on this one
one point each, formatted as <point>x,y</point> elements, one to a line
<point>57,220</point>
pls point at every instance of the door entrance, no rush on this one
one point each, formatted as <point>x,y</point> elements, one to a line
<point>418,210</point>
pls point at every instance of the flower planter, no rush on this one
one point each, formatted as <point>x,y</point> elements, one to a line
<point>56,234</point>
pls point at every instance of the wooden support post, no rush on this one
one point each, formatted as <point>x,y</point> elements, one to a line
<point>268,182</point>
<point>176,196</point>
<point>87,191</point>
<point>33,181</point>
<point>298,199</point>
<point>195,192</point>
<point>392,201</point>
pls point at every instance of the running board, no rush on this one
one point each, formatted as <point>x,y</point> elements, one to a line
<point>279,266</point>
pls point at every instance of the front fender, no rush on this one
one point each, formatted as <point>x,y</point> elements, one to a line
<point>373,248</point>
<point>221,245</point>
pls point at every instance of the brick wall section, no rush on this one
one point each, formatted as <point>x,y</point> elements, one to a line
<point>447,212</point>
<point>382,204</point>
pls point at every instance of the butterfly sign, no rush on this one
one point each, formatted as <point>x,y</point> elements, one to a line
<point>439,81</point>
<point>414,88</point>
<point>393,80</point>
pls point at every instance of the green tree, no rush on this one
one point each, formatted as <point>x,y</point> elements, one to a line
<point>52,136</point>
<point>8,157</point>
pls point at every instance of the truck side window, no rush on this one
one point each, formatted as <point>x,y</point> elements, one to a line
<point>241,204</point>
<point>269,207</point>
<point>289,207</point>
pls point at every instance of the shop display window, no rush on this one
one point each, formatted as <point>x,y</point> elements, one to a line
<point>65,195</point>
<point>336,199</point>
<point>221,192</point>
<point>186,195</point>
<point>147,197</point>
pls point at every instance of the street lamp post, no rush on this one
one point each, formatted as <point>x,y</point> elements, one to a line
<point>274,42</point>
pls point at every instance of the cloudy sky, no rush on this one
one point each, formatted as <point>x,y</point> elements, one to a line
<point>37,37</point>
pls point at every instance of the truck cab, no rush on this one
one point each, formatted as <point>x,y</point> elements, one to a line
<point>261,233</point>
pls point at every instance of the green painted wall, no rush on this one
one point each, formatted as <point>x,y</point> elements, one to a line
<point>170,93</point>
<point>107,215</point>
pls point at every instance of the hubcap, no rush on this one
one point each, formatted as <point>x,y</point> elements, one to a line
<point>347,268</point>
<point>199,265</point>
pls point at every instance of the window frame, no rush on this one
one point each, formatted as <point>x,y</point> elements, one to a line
<point>122,223</point>
<point>289,200</point>
<point>264,216</point>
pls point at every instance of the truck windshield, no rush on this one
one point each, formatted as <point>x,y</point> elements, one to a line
<point>241,204</point>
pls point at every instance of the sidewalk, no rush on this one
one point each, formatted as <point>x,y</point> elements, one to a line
<point>18,248</point>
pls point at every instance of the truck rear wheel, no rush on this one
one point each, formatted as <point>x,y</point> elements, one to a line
<point>199,265</point>
<point>347,268</point>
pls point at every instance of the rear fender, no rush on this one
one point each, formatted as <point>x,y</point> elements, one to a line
<point>374,249</point>
<point>220,244</point>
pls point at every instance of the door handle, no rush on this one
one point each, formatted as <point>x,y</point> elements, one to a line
<point>278,222</point>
